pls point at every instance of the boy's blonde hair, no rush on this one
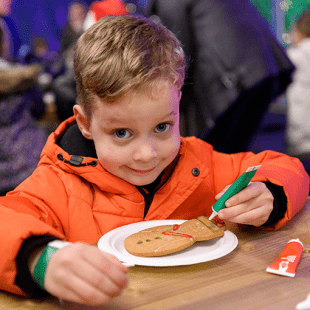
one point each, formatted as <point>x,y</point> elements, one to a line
<point>119,54</point>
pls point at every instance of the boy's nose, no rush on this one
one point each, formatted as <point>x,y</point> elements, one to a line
<point>146,151</point>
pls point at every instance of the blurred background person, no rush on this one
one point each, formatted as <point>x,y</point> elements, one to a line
<point>77,11</point>
<point>64,86</point>
<point>237,68</point>
<point>41,53</point>
<point>6,45</point>
<point>298,93</point>
<point>21,140</point>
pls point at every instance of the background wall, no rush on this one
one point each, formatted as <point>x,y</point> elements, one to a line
<point>47,17</point>
<point>281,14</point>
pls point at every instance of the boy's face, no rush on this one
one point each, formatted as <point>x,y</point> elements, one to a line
<point>137,136</point>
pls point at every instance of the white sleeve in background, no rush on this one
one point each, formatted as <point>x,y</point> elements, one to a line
<point>89,20</point>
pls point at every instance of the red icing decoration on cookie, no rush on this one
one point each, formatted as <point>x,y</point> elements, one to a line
<point>176,234</point>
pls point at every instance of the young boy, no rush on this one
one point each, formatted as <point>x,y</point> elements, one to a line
<point>121,160</point>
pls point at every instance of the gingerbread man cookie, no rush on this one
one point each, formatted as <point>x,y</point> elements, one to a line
<point>167,239</point>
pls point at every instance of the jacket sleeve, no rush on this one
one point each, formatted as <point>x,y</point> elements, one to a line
<point>279,169</point>
<point>27,212</point>
<point>24,278</point>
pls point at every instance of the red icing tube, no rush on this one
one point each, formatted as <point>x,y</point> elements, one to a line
<point>287,262</point>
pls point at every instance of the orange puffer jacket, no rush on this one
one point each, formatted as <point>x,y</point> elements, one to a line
<point>81,203</point>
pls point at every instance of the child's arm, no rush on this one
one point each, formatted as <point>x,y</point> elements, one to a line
<point>82,273</point>
<point>252,205</point>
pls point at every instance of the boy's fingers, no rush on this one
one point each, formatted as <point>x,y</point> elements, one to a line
<point>109,266</point>
<point>253,190</point>
<point>255,211</point>
<point>110,279</point>
<point>86,275</point>
<point>92,287</point>
<point>255,217</point>
<point>99,285</point>
<point>116,261</point>
<point>219,195</point>
<point>101,271</point>
<point>84,293</point>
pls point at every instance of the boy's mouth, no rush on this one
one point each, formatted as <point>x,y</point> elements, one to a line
<point>146,171</point>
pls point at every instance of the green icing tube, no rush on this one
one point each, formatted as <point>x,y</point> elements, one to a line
<point>235,188</point>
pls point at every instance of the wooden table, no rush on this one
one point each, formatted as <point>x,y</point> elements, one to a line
<point>236,281</point>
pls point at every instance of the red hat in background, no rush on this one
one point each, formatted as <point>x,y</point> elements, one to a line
<point>104,8</point>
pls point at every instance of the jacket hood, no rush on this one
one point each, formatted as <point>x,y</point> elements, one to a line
<point>84,165</point>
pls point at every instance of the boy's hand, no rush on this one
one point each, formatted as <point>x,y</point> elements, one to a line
<point>83,274</point>
<point>251,206</point>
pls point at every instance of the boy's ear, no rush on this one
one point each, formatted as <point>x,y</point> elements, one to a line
<point>82,121</point>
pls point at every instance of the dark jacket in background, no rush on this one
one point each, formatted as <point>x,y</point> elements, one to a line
<point>21,140</point>
<point>236,67</point>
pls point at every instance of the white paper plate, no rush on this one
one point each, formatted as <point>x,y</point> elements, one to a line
<point>199,252</point>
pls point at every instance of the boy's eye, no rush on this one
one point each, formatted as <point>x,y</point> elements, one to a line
<point>162,127</point>
<point>122,133</point>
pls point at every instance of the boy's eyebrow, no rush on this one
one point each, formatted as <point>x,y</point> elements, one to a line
<point>169,114</point>
<point>114,119</point>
